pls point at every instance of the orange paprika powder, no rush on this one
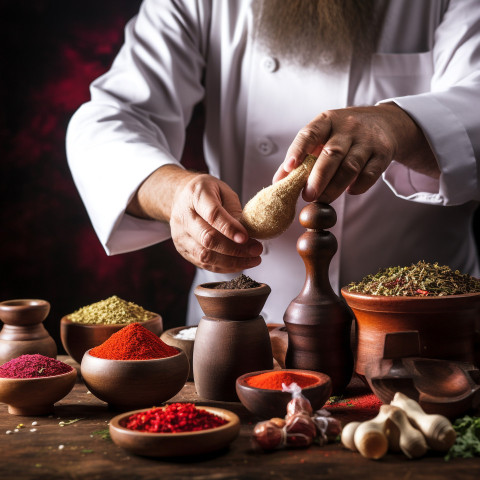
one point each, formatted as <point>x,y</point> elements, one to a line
<point>133,342</point>
<point>273,380</point>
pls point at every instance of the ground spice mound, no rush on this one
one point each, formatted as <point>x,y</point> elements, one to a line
<point>33,366</point>
<point>241,282</point>
<point>133,342</point>
<point>419,280</point>
<point>111,311</point>
<point>174,418</point>
<point>274,380</point>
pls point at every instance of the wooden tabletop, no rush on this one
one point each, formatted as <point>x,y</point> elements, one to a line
<point>78,450</point>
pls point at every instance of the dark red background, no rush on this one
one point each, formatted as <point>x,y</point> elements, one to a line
<point>50,51</point>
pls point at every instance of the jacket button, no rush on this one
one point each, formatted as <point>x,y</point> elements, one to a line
<point>265,146</point>
<point>270,64</point>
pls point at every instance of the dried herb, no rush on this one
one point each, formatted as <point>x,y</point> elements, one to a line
<point>242,282</point>
<point>467,444</point>
<point>111,311</point>
<point>419,280</point>
<point>104,434</point>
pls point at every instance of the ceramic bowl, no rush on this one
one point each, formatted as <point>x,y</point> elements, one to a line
<point>446,325</point>
<point>35,396</point>
<point>231,304</point>
<point>175,444</point>
<point>77,338</point>
<point>127,384</point>
<point>25,311</point>
<point>169,337</point>
<point>273,403</point>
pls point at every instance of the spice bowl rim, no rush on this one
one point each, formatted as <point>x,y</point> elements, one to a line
<point>180,352</point>
<point>241,380</point>
<point>66,320</point>
<point>16,379</point>
<point>407,298</point>
<point>208,290</point>
<point>175,444</point>
<point>231,417</point>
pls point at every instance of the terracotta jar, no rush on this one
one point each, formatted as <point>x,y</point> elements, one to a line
<point>232,339</point>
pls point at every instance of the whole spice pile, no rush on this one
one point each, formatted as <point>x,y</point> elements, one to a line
<point>276,379</point>
<point>420,279</point>
<point>33,366</point>
<point>133,342</point>
<point>241,282</point>
<point>112,311</point>
<point>174,418</point>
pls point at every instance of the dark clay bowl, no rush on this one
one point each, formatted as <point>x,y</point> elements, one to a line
<point>232,304</point>
<point>169,337</point>
<point>35,396</point>
<point>77,338</point>
<point>127,384</point>
<point>26,311</point>
<point>175,444</point>
<point>266,403</point>
<point>446,325</point>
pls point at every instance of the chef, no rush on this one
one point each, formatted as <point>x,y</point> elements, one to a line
<point>386,93</point>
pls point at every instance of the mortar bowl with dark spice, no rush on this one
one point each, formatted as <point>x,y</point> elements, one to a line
<point>178,444</point>
<point>128,384</point>
<point>272,401</point>
<point>446,325</point>
<point>35,396</point>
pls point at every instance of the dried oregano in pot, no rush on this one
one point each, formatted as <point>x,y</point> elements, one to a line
<point>420,279</point>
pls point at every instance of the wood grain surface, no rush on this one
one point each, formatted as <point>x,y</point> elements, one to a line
<point>86,455</point>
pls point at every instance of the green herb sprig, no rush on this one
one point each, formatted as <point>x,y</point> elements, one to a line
<point>467,444</point>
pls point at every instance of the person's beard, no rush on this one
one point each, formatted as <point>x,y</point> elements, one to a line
<point>313,33</point>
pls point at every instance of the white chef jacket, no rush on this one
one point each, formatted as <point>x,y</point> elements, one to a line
<point>179,53</point>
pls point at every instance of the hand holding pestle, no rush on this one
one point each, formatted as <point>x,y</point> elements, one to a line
<point>271,211</point>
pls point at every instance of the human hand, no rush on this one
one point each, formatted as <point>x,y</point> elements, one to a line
<point>354,147</point>
<point>205,228</point>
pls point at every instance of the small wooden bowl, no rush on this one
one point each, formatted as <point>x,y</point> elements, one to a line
<point>127,384</point>
<point>35,396</point>
<point>175,444</point>
<point>231,304</point>
<point>25,311</point>
<point>445,325</point>
<point>169,337</point>
<point>273,403</point>
<point>77,338</point>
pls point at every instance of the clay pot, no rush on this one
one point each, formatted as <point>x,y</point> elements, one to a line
<point>232,339</point>
<point>169,337</point>
<point>23,332</point>
<point>445,325</point>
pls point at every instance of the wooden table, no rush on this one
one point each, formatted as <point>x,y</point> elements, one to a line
<point>77,450</point>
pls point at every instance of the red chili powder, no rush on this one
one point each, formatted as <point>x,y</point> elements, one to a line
<point>33,366</point>
<point>133,342</point>
<point>174,418</point>
<point>274,380</point>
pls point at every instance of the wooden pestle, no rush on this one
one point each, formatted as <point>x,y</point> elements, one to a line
<point>271,211</point>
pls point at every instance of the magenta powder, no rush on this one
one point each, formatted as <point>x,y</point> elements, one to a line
<point>33,366</point>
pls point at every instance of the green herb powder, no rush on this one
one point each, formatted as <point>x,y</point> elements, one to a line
<point>420,279</point>
<point>112,311</point>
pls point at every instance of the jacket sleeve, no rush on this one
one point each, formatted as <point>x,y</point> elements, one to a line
<point>449,114</point>
<point>136,119</point>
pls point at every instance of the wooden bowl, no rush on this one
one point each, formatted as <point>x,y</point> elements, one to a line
<point>77,338</point>
<point>175,444</point>
<point>231,304</point>
<point>169,337</point>
<point>25,311</point>
<point>35,396</point>
<point>445,325</point>
<point>127,384</point>
<point>273,403</point>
